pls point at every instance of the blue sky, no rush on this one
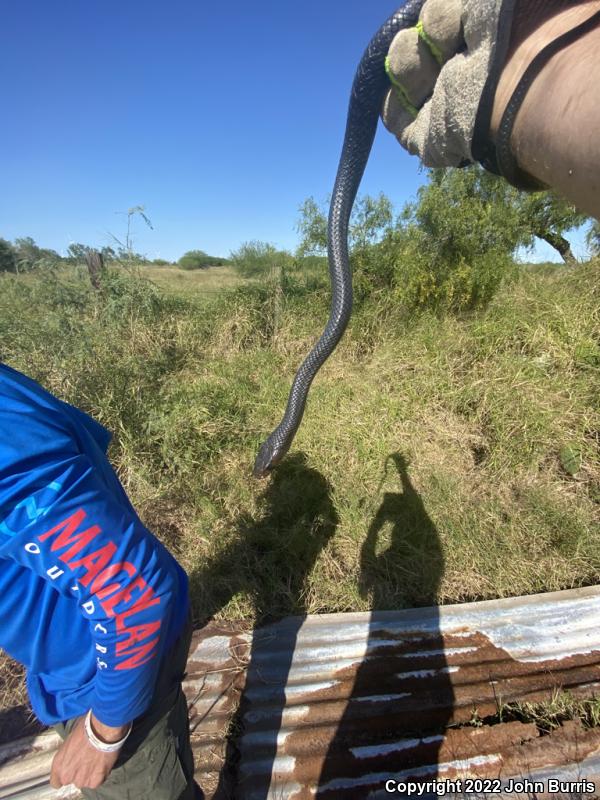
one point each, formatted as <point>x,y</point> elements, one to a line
<point>219,117</point>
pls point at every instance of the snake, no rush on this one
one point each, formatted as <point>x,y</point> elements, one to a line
<point>368,92</point>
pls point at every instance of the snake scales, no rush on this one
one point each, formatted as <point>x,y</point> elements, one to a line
<point>368,92</point>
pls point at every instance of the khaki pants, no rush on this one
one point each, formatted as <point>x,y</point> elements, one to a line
<point>156,762</point>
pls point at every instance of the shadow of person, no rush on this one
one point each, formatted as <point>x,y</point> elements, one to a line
<point>406,571</point>
<point>268,561</point>
<point>402,698</point>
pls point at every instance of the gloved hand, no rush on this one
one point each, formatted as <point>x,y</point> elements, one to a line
<point>438,72</point>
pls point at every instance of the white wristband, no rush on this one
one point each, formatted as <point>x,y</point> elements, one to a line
<point>97,743</point>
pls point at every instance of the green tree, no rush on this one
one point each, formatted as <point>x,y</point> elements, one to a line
<point>452,247</point>
<point>198,259</point>
<point>372,218</point>
<point>76,252</point>
<point>511,216</point>
<point>27,252</point>
<point>312,227</point>
<point>8,261</point>
<point>467,212</point>
<point>108,254</point>
<point>30,256</point>
<point>458,241</point>
<point>371,225</point>
<point>254,259</point>
<point>549,217</point>
<point>463,232</point>
<point>593,238</point>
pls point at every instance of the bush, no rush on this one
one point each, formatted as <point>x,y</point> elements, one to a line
<point>254,259</point>
<point>456,243</point>
<point>424,279</point>
<point>198,259</point>
<point>8,261</point>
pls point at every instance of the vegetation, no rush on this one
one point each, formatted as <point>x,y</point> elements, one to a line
<point>549,716</point>
<point>8,260</point>
<point>254,259</point>
<point>451,447</point>
<point>593,238</point>
<point>198,259</point>
<point>453,247</point>
<point>459,422</point>
<point>23,254</point>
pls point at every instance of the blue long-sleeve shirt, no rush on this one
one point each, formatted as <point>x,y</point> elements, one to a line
<point>90,600</point>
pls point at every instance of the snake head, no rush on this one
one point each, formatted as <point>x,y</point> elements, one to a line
<point>268,458</point>
<point>264,461</point>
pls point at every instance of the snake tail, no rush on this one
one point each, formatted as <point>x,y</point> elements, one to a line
<point>368,92</point>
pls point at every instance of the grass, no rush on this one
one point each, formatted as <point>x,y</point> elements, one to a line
<point>193,283</point>
<point>549,716</point>
<point>428,467</point>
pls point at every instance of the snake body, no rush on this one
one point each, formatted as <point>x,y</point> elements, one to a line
<point>368,92</point>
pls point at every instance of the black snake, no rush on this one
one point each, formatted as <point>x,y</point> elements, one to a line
<point>368,92</point>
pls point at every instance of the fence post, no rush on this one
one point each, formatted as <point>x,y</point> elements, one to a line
<point>95,265</point>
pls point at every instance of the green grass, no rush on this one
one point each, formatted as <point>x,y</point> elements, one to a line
<point>549,716</point>
<point>193,283</point>
<point>428,468</point>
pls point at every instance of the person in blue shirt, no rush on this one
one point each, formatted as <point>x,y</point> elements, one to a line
<point>91,603</point>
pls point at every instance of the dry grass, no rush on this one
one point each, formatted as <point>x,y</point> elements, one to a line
<point>194,283</point>
<point>16,717</point>
<point>12,687</point>
<point>427,468</point>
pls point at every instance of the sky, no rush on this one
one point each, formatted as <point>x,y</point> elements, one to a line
<point>219,118</point>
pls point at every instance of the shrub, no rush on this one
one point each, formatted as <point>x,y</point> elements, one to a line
<point>425,279</point>
<point>254,259</point>
<point>198,259</point>
<point>8,261</point>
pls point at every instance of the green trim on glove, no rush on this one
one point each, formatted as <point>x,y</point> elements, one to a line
<point>401,93</point>
<point>435,50</point>
<point>446,79</point>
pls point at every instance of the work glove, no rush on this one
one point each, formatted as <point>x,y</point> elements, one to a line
<point>439,71</point>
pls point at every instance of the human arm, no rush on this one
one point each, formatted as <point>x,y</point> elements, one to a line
<point>77,762</point>
<point>552,140</point>
<point>59,520</point>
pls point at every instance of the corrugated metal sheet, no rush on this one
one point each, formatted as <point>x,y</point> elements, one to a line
<point>333,706</point>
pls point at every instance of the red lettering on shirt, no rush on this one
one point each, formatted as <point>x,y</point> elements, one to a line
<point>128,587</point>
<point>102,591</point>
<point>144,601</point>
<point>136,634</point>
<point>138,657</point>
<point>95,562</point>
<point>67,535</point>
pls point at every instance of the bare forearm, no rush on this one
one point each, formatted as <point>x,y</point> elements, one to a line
<point>555,134</point>
<point>107,733</point>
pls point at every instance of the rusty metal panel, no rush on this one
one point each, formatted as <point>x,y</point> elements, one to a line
<point>332,706</point>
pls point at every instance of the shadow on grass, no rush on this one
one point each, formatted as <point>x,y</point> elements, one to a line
<point>269,562</point>
<point>271,559</point>
<point>402,689</point>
